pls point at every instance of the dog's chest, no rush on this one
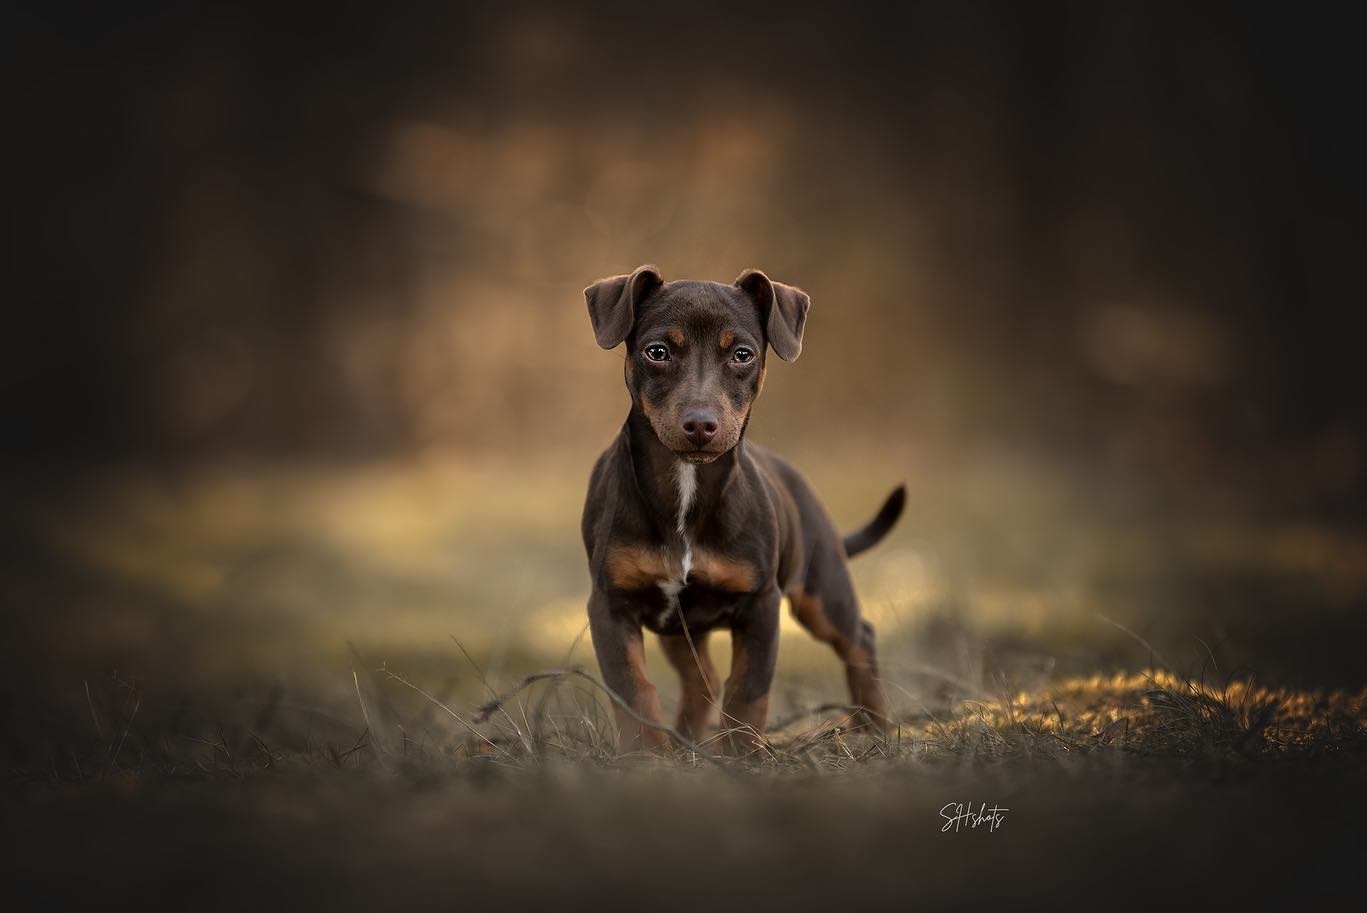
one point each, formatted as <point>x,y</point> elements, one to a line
<point>686,483</point>
<point>680,580</point>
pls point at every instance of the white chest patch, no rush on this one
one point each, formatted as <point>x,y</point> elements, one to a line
<point>686,481</point>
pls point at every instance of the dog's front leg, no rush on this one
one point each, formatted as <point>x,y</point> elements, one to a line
<point>754,654</point>
<point>621,657</point>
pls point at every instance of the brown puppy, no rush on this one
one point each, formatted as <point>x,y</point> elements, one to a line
<point>689,527</point>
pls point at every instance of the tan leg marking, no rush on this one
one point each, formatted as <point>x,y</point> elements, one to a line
<point>632,735</point>
<point>747,716</point>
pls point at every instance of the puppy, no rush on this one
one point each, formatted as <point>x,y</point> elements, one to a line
<point>689,527</point>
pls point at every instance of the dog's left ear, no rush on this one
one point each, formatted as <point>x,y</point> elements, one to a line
<point>613,302</point>
<point>783,309</point>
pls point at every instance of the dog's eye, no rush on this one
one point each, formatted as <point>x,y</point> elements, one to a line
<point>657,352</point>
<point>743,356</point>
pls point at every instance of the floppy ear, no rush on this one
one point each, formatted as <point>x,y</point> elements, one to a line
<point>783,309</point>
<point>613,302</point>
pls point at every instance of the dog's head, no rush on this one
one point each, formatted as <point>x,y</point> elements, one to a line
<point>696,350</point>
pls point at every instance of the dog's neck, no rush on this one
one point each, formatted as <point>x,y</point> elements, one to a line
<point>676,492</point>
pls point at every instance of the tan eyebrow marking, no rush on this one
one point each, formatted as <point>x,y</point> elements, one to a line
<point>727,337</point>
<point>676,337</point>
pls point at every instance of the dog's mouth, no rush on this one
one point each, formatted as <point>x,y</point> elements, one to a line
<point>697,456</point>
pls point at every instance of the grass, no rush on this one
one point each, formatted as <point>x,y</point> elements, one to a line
<point>245,756</point>
<point>1122,791</point>
<point>563,716</point>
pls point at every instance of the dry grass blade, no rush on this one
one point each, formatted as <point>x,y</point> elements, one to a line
<point>488,708</point>
<point>483,680</point>
<point>455,716</point>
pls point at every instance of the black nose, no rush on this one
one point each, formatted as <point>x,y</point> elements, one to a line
<point>699,427</point>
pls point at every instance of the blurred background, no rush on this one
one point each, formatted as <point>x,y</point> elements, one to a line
<point>298,356</point>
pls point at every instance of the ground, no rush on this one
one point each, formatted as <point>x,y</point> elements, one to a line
<point>365,690</point>
<point>1108,791</point>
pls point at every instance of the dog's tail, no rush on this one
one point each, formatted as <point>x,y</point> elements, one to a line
<point>865,538</point>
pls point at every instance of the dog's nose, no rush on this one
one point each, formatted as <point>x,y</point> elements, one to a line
<point>699,427</point>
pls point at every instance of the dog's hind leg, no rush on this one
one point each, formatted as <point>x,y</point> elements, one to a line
<point>698,679</point>
<point>829,610</point>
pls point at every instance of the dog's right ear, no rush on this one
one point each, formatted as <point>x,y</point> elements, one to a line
<point>613,302</point>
